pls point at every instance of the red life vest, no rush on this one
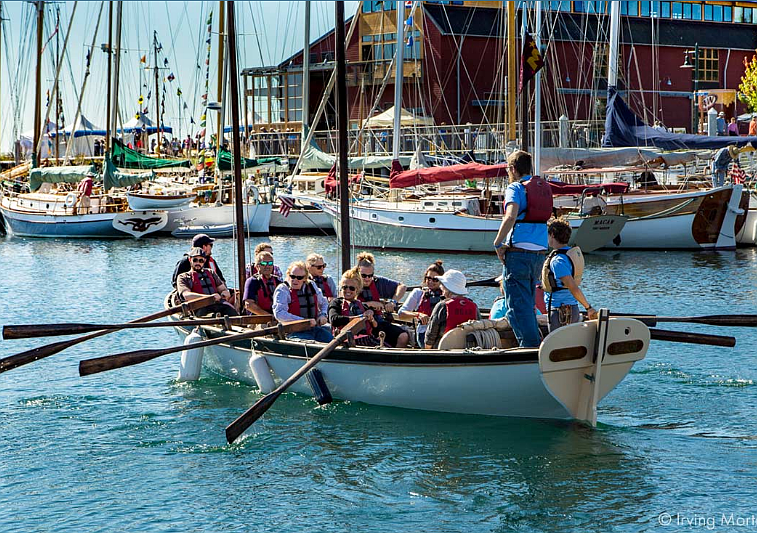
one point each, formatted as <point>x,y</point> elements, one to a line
<point>264,296</point>
<point>212,265</point>
<point>459,310</point>
<point>307,300</point>
<point>202,288</point>
<point>538,200</point>
<point>370,293</point>
<point>323,284</point>
<point>348,309</point>
<point>429,300</point>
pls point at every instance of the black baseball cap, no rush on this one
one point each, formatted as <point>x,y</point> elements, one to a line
<point>201,239</point>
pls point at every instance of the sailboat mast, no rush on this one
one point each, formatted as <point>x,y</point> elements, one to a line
<point>38,84</point>
<point>306,71</point>
<point>157,94</point>
<point>108,131</point>
<point>114,118</point>
<point>537,97</point>
<point>221,73</point>
<point>57,97</point>
<point>511,72</point>
<point>524,114</point>
<point>237,149</point>
<point>341,120</point>
<point>398,77</point>
<point>612,63</point>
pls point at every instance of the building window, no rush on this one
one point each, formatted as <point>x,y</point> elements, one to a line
<point>687,10</point>
<point>665,9</point>
<point>372,7</point>
<point>708,65</point>
<point>629,8</point>
<point>696,12</point>
<point>559,6</point>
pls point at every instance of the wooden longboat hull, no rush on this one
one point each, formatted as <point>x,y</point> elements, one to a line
<point>454,232</point>
<point>142,202</point>
<point>500,382</point>
<point>747,235</point>
<point>695,220</point>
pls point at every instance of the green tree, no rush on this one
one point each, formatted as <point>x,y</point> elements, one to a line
<point>748,85</point>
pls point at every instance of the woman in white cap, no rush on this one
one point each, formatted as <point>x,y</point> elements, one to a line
<point>454,310</point>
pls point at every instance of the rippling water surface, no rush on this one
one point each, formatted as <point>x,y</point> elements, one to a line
<point>132,450</point>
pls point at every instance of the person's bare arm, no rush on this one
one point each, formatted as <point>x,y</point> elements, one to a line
<point>508,221</point>
<point>570,284</point>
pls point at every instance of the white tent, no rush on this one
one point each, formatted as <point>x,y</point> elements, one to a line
<point>407,120</point>
<point>26,142</point>
<point>84,135</point>
<point>143,123</point>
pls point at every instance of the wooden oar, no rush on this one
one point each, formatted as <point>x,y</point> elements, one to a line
<point>240,425</point>
<point>29,356</point>
<point>120,360</point>
<point>692,338</point>
<point>491,282</point>
<point>747,321</point>
<point>50,330</point>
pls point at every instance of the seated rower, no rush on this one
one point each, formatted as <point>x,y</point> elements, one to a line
<point>298,298</point>
<point>454,310</point>
<point>346,306</point>
<point>374,289</point>
<point>258,289</point>
<point>316,266</point>
<point>499,305</point>
<point>202,281</point>
<point>422,301</point>
<point>561,277</point>
<point>251,269</point>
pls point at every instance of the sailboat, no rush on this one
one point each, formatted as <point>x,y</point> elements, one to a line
<point>574,368</point>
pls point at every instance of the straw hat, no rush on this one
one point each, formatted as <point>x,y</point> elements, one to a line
<point>454,281</point>
<point>733,151</point>
<point>195,252</point>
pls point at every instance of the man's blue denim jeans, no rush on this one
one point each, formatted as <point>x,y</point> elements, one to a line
<point>521,272</point>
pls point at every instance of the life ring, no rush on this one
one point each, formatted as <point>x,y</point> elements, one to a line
<point>71,199</point>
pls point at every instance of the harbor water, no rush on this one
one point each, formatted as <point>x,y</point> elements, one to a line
<point>134,451</point>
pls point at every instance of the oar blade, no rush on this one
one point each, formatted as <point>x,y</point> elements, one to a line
<point>692,338</point>
<point>29,356</point>
<point>249,417</point>
<point>111,362</point>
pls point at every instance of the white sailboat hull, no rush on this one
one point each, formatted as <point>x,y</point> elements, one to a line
<point>257,217</point>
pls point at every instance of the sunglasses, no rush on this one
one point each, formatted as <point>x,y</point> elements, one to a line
<point>319,267</point>
<point>432,278</point>
<point>366,276</point>
<point>348,288</point>
<point>297,277</point>
<point>266,263</point>
<point>198,260</point>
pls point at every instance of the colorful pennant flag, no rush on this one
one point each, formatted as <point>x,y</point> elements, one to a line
<point>531,61</point>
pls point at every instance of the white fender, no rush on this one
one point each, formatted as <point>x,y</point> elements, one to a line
<point>191,358</point>
<point>70,200</point>
<point>261,372</point>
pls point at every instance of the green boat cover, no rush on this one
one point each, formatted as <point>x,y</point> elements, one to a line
<point>125,157</point>
<point>224,161</point>
<point>113,178</point>
<point>73,174</point>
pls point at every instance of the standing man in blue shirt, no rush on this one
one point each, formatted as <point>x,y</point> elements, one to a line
<point>521,247</point>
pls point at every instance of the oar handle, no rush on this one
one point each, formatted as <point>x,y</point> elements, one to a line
<point>240,425</point>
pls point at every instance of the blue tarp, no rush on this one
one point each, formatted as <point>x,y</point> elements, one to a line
<point>623,128</point>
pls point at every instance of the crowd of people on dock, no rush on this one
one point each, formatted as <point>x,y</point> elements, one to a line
<point>437,306</point>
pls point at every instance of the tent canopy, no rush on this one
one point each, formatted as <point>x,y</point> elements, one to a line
<point>143,123</point>
<point>83,127</point>
<point>386,120</point>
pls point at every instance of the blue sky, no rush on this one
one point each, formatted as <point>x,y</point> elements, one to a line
<point>268,32</point>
